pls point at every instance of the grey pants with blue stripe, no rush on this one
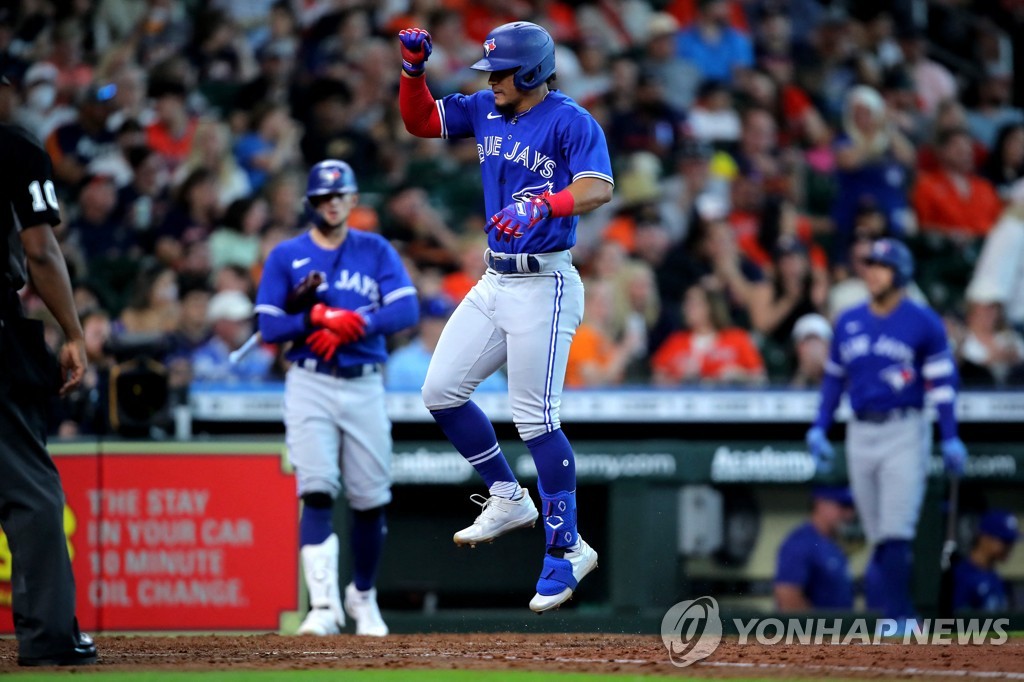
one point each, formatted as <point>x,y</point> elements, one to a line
<point>888,467</point>
<point>526,321</point>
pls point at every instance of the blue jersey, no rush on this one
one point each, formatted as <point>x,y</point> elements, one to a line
<point>889,362</point>
<point>977,589</point>
<point>543,149</point>
<point>364,274</point>
<point>818,566</point>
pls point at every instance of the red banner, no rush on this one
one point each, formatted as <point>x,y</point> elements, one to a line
<point>177,542</point>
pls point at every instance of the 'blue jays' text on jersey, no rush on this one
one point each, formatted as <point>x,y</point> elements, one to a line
<point>545,148</point>
<point>890,362</point>
<point>818,566</point>
<point>363,274</point>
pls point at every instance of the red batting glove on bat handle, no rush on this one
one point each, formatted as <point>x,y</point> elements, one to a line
<point>324,343</point>
<point>416,48</point>
<point>519,216</point>
<point>348,324</point>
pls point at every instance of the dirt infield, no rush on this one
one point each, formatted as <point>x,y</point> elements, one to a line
<point>569,653</point>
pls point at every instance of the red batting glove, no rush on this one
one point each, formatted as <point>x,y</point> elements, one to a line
<point>348,324</point>
<point>324,343</point>
<point>519,216</point>
<point>416,48</point>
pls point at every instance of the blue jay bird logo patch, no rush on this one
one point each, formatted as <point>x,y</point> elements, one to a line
<point>489,46</point>
<point>527,193</point>
<point>898,377</point>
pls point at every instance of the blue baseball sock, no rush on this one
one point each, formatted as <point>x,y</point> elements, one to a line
<point>556,483</point>
<point>472,434</point>
<point>556,465</point>
<point>895,559</point>
<point>369,528</point>
<point>315,523</point>
<point>874,584</point>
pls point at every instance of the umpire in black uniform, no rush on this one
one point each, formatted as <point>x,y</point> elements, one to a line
<point>31,497</point>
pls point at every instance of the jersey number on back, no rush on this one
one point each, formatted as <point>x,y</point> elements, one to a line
<point>37,196</point>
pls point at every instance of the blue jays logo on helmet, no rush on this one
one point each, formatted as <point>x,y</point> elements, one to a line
<point>331,177</point>
<point>522,47</point>
<point>893,254</point>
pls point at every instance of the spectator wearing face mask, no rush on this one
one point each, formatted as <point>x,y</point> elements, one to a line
<point>41,113</point>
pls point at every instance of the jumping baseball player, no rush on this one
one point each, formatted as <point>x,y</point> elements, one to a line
<point>544,161</point>
<point>335,419</point>
<point>889,354</point>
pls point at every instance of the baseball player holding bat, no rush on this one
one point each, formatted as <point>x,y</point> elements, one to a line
<point>299,300</point>
<point>889,354</point>
<point>335,419</point>
<point>544,161</point>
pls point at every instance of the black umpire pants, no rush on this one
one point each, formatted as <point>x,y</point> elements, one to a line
<point>31,497</point>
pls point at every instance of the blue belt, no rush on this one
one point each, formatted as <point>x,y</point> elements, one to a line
<point>343,372</point>
<point>881,417</point>
<point>509,266</point>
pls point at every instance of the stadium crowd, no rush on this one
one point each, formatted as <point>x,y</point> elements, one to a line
<point>759,145</point>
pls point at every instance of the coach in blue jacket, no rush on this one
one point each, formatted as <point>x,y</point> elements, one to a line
<point>812,571</point>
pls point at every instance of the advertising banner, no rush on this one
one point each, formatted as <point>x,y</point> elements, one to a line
<point>180,541</point>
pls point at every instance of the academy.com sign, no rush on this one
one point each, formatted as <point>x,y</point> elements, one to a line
<point>692,631</point>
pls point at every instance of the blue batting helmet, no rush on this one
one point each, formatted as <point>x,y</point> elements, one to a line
<point>523,46</point>
<point>331,177</point>
<point>895,255</point>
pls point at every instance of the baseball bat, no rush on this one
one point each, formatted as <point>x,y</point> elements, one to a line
<point>950,556</point>
<point>236,355</point>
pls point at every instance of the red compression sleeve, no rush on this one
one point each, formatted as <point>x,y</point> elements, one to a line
<point>561,204</point>
<point>419,113</point>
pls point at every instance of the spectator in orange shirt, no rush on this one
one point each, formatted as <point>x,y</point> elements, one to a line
<point>171,134</point>
<point>953,200</point>
<point>595,357</point>
<point>950,114</point>
<point>711,350</point>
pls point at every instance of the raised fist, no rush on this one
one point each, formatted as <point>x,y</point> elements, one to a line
<point>416,49</point>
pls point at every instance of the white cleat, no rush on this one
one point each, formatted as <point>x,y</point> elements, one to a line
<point>320,568</point>
<point>321,622</point>
<point>362,608</point>
<point>499,516</point>
<point>556,572</point>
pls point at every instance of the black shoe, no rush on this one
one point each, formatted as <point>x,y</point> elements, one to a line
<point>83,654</point>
